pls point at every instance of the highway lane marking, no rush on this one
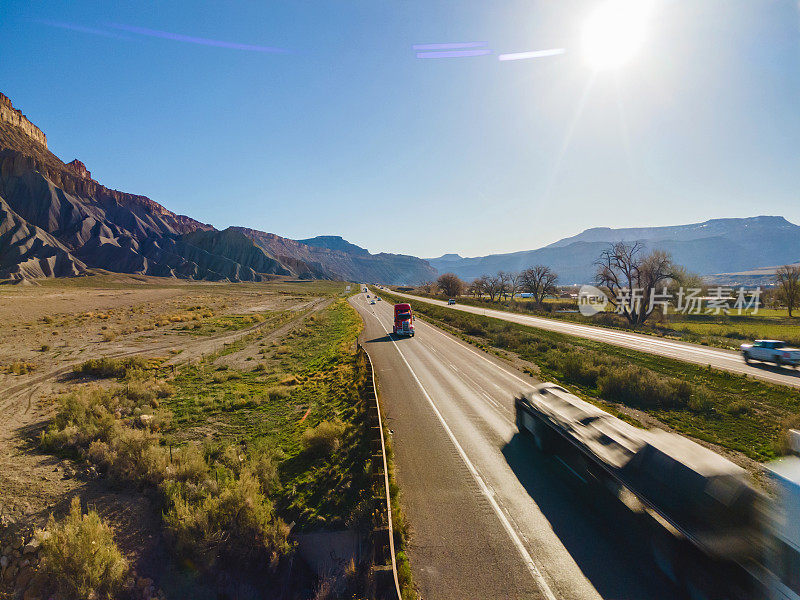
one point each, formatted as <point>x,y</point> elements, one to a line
<point>479,355</point>
<point>477,387</point>
<point>485,490</point>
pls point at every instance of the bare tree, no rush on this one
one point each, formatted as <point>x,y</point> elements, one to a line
<point>493,286</point>
<point>428,287</point>
<point>539,281</point>
<point>502,278</point>
<point>788,279</point>
<point>478,286</point>
<point>450,285</point>
<point>514,283</point>
<point>630,278</point>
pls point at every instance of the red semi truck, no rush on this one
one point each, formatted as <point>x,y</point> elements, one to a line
<point>403,320</point>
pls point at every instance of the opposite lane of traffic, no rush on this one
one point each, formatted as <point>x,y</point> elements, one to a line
<point>694,353</point>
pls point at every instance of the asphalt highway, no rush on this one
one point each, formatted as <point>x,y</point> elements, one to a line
<point>491,518</point>
<point>694,353</point>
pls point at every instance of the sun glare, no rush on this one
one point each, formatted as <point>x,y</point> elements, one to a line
<point>614,32</point>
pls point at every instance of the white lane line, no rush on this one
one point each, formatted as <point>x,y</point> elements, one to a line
<point>481,356</point>
<point>526,557</point>
<point>499,409</point>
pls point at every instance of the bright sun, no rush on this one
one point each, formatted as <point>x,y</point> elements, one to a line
<point>614,32</point>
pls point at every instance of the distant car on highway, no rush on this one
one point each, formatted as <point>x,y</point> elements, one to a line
<point>774,351</point>
<point>378,298</point>
<point>372,301</point>
<point>451,301</point>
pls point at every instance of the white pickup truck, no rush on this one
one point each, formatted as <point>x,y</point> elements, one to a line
<point>773,351</point>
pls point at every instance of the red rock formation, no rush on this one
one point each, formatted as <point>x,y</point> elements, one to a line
<point>80,169</point>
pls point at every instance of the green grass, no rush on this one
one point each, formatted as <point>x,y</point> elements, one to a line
<point>311,373</point>
<point>233,455</point>
<point>727,409</point>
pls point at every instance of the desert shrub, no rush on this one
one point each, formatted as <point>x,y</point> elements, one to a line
<point>231,458</point>
<point>44,348</point>
<point>110,367</point>
<point>237,527</point>
<point>92,422</point>
<point>263,464</point>
<point>579,369</point>
<point>80,558</point>
<point>109,335</point>
<point>82,417</point>
<point>188,465</point>
<point>135,456</point>
<point>323,439</point>
<point>639,387</point>
<point>20,367</point>
<point>148,391</point>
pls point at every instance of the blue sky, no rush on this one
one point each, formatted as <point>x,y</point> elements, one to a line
<point>346,132</point>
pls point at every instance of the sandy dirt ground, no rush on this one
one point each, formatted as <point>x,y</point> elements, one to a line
<point>49,329</point>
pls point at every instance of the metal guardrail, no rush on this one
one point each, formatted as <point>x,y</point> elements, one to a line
<point>385,477</point>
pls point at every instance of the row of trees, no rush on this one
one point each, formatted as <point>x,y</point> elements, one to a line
<point>539,281</point>
<point>621,268</point>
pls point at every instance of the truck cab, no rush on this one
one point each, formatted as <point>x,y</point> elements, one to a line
<point>403,320</point>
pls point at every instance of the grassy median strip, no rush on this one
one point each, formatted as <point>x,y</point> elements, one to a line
<point>234,451</point>
<point>723,408</point>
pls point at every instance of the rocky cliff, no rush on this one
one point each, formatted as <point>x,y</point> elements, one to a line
<point>58,221</point>
<point>334,258</point>
<point>14,117</point>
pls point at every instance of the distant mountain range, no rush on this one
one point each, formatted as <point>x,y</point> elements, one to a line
<point>713,247</point>
<point>55,220</point>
